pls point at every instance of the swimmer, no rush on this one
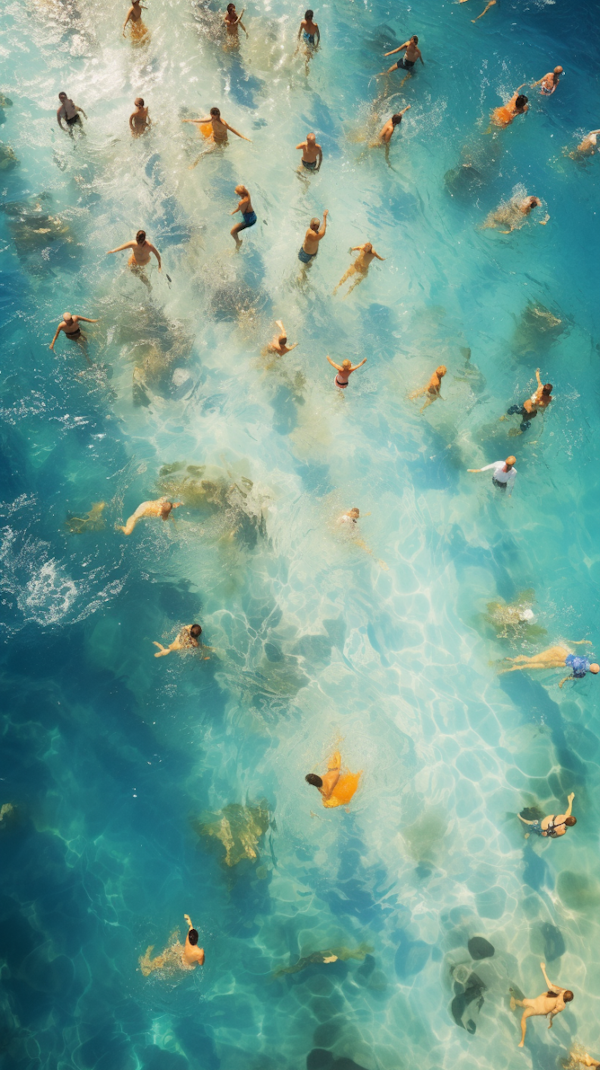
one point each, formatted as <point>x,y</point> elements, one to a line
<point>512,214</point>
<point>579,1057</point>
<point>248,214</point>
<point>314,234</point>
<point>490,3</point>
<point>588,146</point>
<point>406,62</point>
<point>554,824</point>
<point>139,120</point>
<point>160,507</point>
<point>360,267</point>
<point>309,31</point>
<point>550,1003</point>
<point>344,371</point>
<point>556,657</point>
<point>517,105</point>
<point>134,16</point>
<point>278,343</point>
<point>177,956</point>
<point>504,475</point>
<point>336,789</point>
<point>385,134</point>
<point>70,112</point>
<point>549,82</point>
<point>540,399</point>
<point>140,254</point>
<point>218,135</point>
<point>70,326</point>
<point>433,387</point>
<point>351,517</point>
<point>187,639</point>
<point>312,154</point>
<point>232,20</point>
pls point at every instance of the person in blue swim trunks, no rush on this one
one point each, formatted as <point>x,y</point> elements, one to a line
<point>410,57</point>
<point>553,825</point>
<point>312,154</point>
<point>314,235</point>
<point>248,214</point>
<point>309,32</point>
<point>556,657</point>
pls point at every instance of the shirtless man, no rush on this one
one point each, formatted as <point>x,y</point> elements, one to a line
<point>360,267</point>
<point>540,399</point>
<point>511,214</point>
<point>139,120</point>
<point>385,135</point>
<point>248,214</point>
<point>344,371</point>
<point>219,131</point>
<point>278,343</point>
<point>588,146</point>
<point>433,387</point>
<point>314,234</point>
<point>554,824</point>
<point>134,16</point>
<point>70,326</point>
<point>161,507</point>
<point>176,956</point>
<point>140,252</point>
<point>70,113</point>
<point>550,1003</point>
<point>549,82</point>
<point>556,657</point>
<point>187,639</point>
<point>232,20</point>
<point>406,62</point>
<point>312,154</point>
<point>309,31</point>
<point>517,105</point>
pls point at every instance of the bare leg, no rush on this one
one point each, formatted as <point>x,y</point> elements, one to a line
<point>234,233</point>
<point>162,650</point>
<point>361,277</point>
<point>345,276</point>
<point>485,10</point>
<point>527,1014</point>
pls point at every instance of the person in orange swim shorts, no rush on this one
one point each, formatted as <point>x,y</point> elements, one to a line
<point>336,788</point>
<point>517,105</point>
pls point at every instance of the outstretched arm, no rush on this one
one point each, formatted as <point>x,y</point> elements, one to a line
<point>77,108</point>
<point>58,330</point>
<point>555,988</point>
<point>129,14</point>
<point>121,248</point>
<point>84,319</point>
<point>236,132</point>
<point>570,799</point>
<point>196,120</point>
<point>357,366</point>
<point>394,50</point>
<point>523,819</point>
<point>279,323</point>
<point>333,364</point>
<point>187,918</point>
<point>157,255</point>
<point>323,226</point>
<point>377,255</point>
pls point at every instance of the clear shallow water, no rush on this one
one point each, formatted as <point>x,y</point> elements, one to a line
<point>109,756</point>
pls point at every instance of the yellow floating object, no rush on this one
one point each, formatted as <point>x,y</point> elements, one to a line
<point>344,790</point>
<point>206,129</point>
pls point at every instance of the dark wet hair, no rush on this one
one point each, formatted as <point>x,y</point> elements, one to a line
<point>193,936</point>
<point>139,102</point>
<point>570,821</point>
<point>568,996</point>
<point>140,237</point>
<point>61,94</point>
<point>521,101</point>
<point>195,630</point>
<point>414,38</point>
<point>312,778</point>
<point>230,6</point>
<point>396,119</point>
<point>282,339</point>
<point>215,111</point>
<point>547,388</point>
<point>308,15</point>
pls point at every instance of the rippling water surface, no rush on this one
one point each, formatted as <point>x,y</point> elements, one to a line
<point>119,768</point>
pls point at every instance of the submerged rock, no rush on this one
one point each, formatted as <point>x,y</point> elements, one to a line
<point>554,944</point>
<point>480,948</point>
<point>537,328</point>
<point>514,619</point>
<point>92,521</point>
<point>238,828</point>
<point>8,160</point>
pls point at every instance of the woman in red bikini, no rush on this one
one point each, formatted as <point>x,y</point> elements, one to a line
<point>344,371</point>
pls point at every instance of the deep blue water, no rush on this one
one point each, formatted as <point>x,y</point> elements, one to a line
<point>110,758</point>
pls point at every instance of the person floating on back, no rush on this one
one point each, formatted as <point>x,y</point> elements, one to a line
<point>549,82</point>
<point>187,639</point>
<point>160,507</point>
<point>360,267</point>
<point>432,389</point>
<point>336,788</point>
<point>314,235</point>
<point>517,105</point>
<point>556,657</point>
<point>553,825</point>
<point>549,1003</point>
<point>540,399</point>
<point>70,112</point>
<point>312,154</point>
<point>408,60</point>
<point>504,475</point>
<point>248,214</point>
<point>139,120</point>
<point>344,371</point>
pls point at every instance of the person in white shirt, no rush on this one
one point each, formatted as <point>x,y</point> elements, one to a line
<point>504,473</point>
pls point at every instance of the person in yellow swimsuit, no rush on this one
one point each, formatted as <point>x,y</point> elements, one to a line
<point>336,788</point>
<point>161,507</point>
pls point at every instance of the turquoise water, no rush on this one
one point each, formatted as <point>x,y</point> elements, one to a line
<point>112,759</point>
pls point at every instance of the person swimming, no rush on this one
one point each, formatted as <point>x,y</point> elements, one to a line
<point>555,658</point>
<point>432,389</point>
<point>70,327</point>
<point>517,105</point>
<point>309,31</point>
<point>540,399</point>
<point>160,507</point>
<point>215,130</point>
<point>553,825</point>
<point>140,252</point>
<point>360,267</point>
<point>385,134</point>
<point>550,1003</point>
<point>587,147</point>
<point>312,154</point>
<point>344,371</point>
<point>513,214</point>
<point>139,120</point>
<point>177,956</point>
<point>351,517</point>
<point>278,343</point>
<point>336,789</point>
<point>187,639</point>
<point>549,82</point>
<point>70,112</point>
<point>248,214</point>
<point>232,20</point>
<point>504,475</point>
<point>406,62</point>
<point>314,235</point>
<point>134,16</point>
